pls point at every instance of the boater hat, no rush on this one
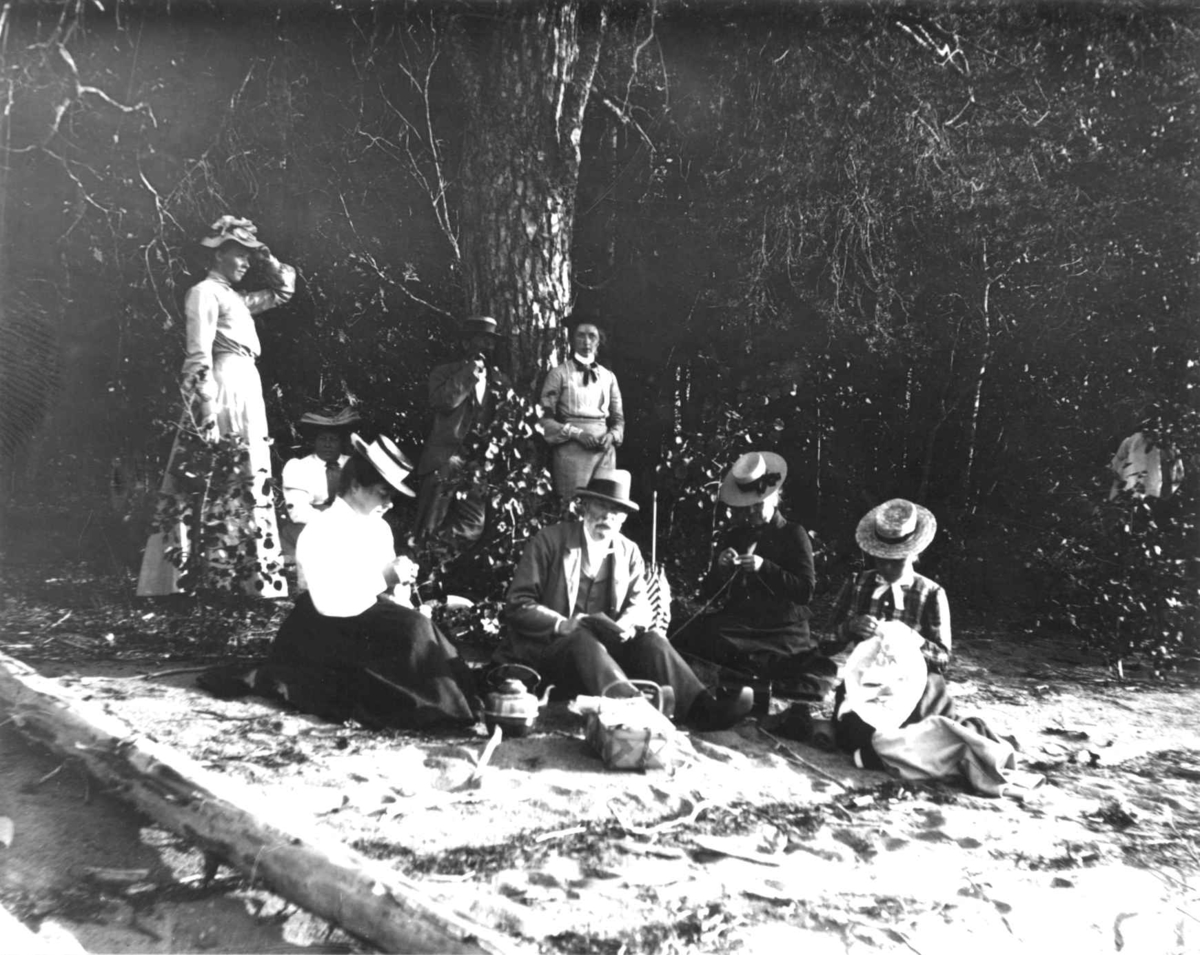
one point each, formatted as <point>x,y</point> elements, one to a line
<point>896,528</point>
<point>335,420</point>
<point>610,486</point>
<point>387,459</point>
<point>754,477</point>
<point>232,229</point>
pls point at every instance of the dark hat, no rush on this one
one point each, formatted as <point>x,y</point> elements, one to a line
<point>896,528</point>
<point>338,420</point>
<point>610,486</point>
<point>232,229</point>
<point>754,477</point>
<point>388,460</point>
<point>479,324</point>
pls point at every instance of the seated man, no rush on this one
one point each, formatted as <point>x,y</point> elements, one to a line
<point>761,580</point>
<point>310,483</point>
<point>573,572</point>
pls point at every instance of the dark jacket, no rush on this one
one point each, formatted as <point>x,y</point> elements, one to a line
<point>456,411</point>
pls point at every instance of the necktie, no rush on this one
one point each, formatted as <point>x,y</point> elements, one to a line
<point>588,371</point>
<point>333,474</point>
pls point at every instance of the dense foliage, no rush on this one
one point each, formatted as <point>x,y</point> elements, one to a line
<point>944,251</point>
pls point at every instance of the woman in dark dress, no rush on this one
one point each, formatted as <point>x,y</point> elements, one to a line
<point>761,580</point>
<point>351,649</point>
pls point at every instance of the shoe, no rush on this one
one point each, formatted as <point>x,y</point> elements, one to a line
<point>721,708</point>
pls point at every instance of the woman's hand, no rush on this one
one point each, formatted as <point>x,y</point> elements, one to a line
<point>727,558</point>
<point>863,626</point>
<point>605,441</point>
<point>749,563</point>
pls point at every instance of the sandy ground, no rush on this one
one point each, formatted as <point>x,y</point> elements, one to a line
<point>742,845</point>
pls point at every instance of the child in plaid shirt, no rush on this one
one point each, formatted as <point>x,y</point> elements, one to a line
<point>893,533</point>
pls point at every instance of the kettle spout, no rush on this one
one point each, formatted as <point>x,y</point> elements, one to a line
<point>545,696</point>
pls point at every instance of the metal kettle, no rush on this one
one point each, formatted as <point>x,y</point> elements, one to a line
<point>511,704</point>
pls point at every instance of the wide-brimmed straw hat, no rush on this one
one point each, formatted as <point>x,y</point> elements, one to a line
<point>754,477</point>
<point>339,420</point>
<point>232,229</point>
<point>896,528</point>
<point>387,458</point>
<point>611,486</point>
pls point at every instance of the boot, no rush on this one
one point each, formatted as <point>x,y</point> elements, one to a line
<point>721,708</point>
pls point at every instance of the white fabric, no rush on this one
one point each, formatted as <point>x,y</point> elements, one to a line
<point>1142,471</point>
<point>938,747</point>
<point>481,384</point>
<point>594,552</point>
<point>305,486</point>
<point>343,555</point>
<point>885,676</point>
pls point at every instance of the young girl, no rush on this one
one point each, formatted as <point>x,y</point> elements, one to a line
<point>888,602</point>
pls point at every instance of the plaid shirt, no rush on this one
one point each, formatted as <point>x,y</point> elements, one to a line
<point>564,396</point>
<point>925,609</point>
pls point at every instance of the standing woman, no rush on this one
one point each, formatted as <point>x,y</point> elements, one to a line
<point>222,395</point>
<point>582,416</point>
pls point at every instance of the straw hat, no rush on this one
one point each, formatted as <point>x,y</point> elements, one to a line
<point>754,477</point>
<point>232,229</point>
<point>896,528</point>
<point>388,459</point>
<point>334,420</point>
<point>610,486</point>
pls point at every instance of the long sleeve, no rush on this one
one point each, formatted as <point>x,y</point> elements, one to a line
<point>553,430</point>
<point>524,609</point>
<point>202,308</point>
<point>636,610</point>
<point>616,412</point>
<point>794,577</point>
<point>935,628</point>
<point>297,492</point>
<point>282,279</point>
<point>450,385</point>
<point>843,609</point>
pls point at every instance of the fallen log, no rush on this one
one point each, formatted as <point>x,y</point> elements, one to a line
<point>230,821</point>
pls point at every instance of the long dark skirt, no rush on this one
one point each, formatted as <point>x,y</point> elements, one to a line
<point>388,666</point>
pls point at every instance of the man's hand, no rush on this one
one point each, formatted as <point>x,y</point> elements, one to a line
<point>572,625</point>
<point>863,626</point>
<point>727,558</point>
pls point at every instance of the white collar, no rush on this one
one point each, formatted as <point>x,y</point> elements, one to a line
<point>584,361</point>
<point>905,582</point>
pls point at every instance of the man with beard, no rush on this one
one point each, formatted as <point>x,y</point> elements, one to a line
<point>578,613</point>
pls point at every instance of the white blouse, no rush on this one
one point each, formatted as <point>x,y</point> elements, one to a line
<point>342,555</point>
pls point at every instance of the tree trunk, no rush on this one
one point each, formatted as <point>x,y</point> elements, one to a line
<point>366,898</point>
<point>526,72</point>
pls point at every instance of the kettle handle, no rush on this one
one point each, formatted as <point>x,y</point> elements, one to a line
<point>514,671</point>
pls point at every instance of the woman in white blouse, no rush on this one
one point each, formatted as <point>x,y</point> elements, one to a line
<point>222,395</point>
<point>350,649</point>
<point>582,416</point>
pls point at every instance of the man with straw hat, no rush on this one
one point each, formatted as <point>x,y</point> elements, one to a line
<point>899,622</point>
<point>578,612</point>
<point>759,587</point>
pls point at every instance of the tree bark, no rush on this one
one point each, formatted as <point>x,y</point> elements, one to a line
<point>366,898</point>
<point>526,72</point>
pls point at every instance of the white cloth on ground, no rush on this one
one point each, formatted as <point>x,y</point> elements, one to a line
<point>938,747</point>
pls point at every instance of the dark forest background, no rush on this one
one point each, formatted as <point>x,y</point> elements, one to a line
<point>943,251</point>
